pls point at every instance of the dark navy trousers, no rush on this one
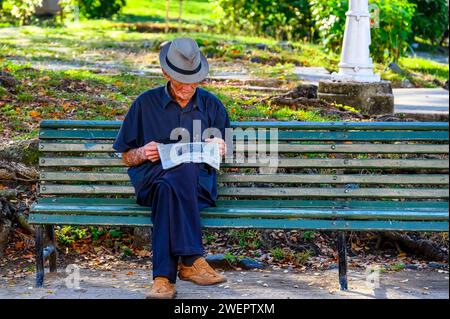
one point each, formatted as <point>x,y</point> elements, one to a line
<point>176,198</point>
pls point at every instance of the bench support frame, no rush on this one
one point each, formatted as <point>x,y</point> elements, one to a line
<point>342,255</point>
<point>42,253</point>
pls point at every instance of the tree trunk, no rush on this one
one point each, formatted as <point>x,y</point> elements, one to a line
<point>421,247</point>
<point>142,237</point>
<point>180,12</point>
<point>19,162</point>
<point>167,15</point>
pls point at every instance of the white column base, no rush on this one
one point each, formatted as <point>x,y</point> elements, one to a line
<point>357,77</point>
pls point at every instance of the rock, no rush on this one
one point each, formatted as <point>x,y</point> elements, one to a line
<point>438,83</point>
<point>8,81</point>
<point>394,67</point>
<point>261,46</point>
<point>218,261</point>
<point>411,266</point>
<point>333,266</point>
<point>446,85</point>
<point>406,84</point>
<point>434,265</point>
<point>285,45</point>
<point>147,44</point>
<point>249,263</point>
<point>306,90</point>
<point>255,60</point>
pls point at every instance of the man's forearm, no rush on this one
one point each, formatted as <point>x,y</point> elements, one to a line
<point>134,157</point>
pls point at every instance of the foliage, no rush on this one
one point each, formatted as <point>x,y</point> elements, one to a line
<point>246,238</point>
<point>284,19</point>
<point>95,9</point>
<point>329,17</point>
<point>20,11</point>
<point>67,235</point>
<point>431,19</point>
<point>389,38</point>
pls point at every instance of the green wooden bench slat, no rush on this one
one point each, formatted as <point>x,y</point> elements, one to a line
<point>80,161</point>
<point>82,176</point>
<point>267,178</point>
<point>287,124</point>
<point>355,225</point>
<point>337,179</point>
<point>282,135</point>
<point>351,163</point>
<point>334,204</point>
<point>282,148</point>
<point>252,212</point>
<point>263,192</point>
<point>75,147</point>
<point>338,192</point>
<point>286,162</point>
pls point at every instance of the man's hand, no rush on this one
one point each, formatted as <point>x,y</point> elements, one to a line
<point>222,145</point>
<point>137,156</point>
<point>151,151</point>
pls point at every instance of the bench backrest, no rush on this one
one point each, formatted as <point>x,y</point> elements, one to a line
<point>320,164</point>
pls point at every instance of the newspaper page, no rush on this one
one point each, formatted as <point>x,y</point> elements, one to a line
<point>200,152</point>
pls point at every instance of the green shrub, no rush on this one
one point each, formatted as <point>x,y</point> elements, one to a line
<point>277,253</point>
<point>67,235</point>
<point>96,9</point>
<point>431,19</point>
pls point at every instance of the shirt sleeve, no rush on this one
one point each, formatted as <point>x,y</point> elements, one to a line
<point>130,133</point>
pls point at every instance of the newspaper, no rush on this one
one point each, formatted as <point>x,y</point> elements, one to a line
<point>200,152</point>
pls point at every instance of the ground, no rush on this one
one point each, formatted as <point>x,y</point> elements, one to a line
<point>277,284</point>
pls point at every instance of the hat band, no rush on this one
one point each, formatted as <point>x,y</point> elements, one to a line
<point>185,72</point>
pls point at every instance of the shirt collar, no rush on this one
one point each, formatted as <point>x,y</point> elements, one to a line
<point>168,98</point>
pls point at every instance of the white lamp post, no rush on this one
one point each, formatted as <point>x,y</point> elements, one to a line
<point>356,64</point>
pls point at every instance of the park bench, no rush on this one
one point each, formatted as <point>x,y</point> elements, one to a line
<point>331,176</point>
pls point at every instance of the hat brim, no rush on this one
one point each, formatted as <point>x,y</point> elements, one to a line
<point>183,78</point>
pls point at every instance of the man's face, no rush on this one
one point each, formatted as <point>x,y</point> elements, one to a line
<point>182,91</point>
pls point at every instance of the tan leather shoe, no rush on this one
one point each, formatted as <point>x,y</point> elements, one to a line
<point>200,273</point>
<point>162,289</point>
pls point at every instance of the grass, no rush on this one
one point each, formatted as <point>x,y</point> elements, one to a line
<point>420,72</point>
<point>425,67</point>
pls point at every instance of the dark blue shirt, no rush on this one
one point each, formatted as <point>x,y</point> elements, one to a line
<point>153,116</point>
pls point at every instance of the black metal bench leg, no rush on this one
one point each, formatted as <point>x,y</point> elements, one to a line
<point>342,255</point>
<point>52,256</point>
<point>39,242</point>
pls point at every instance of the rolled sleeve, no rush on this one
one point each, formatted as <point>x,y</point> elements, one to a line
<point>129,136</point>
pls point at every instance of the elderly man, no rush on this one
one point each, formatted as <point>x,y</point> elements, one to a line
<point>175,195</point>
